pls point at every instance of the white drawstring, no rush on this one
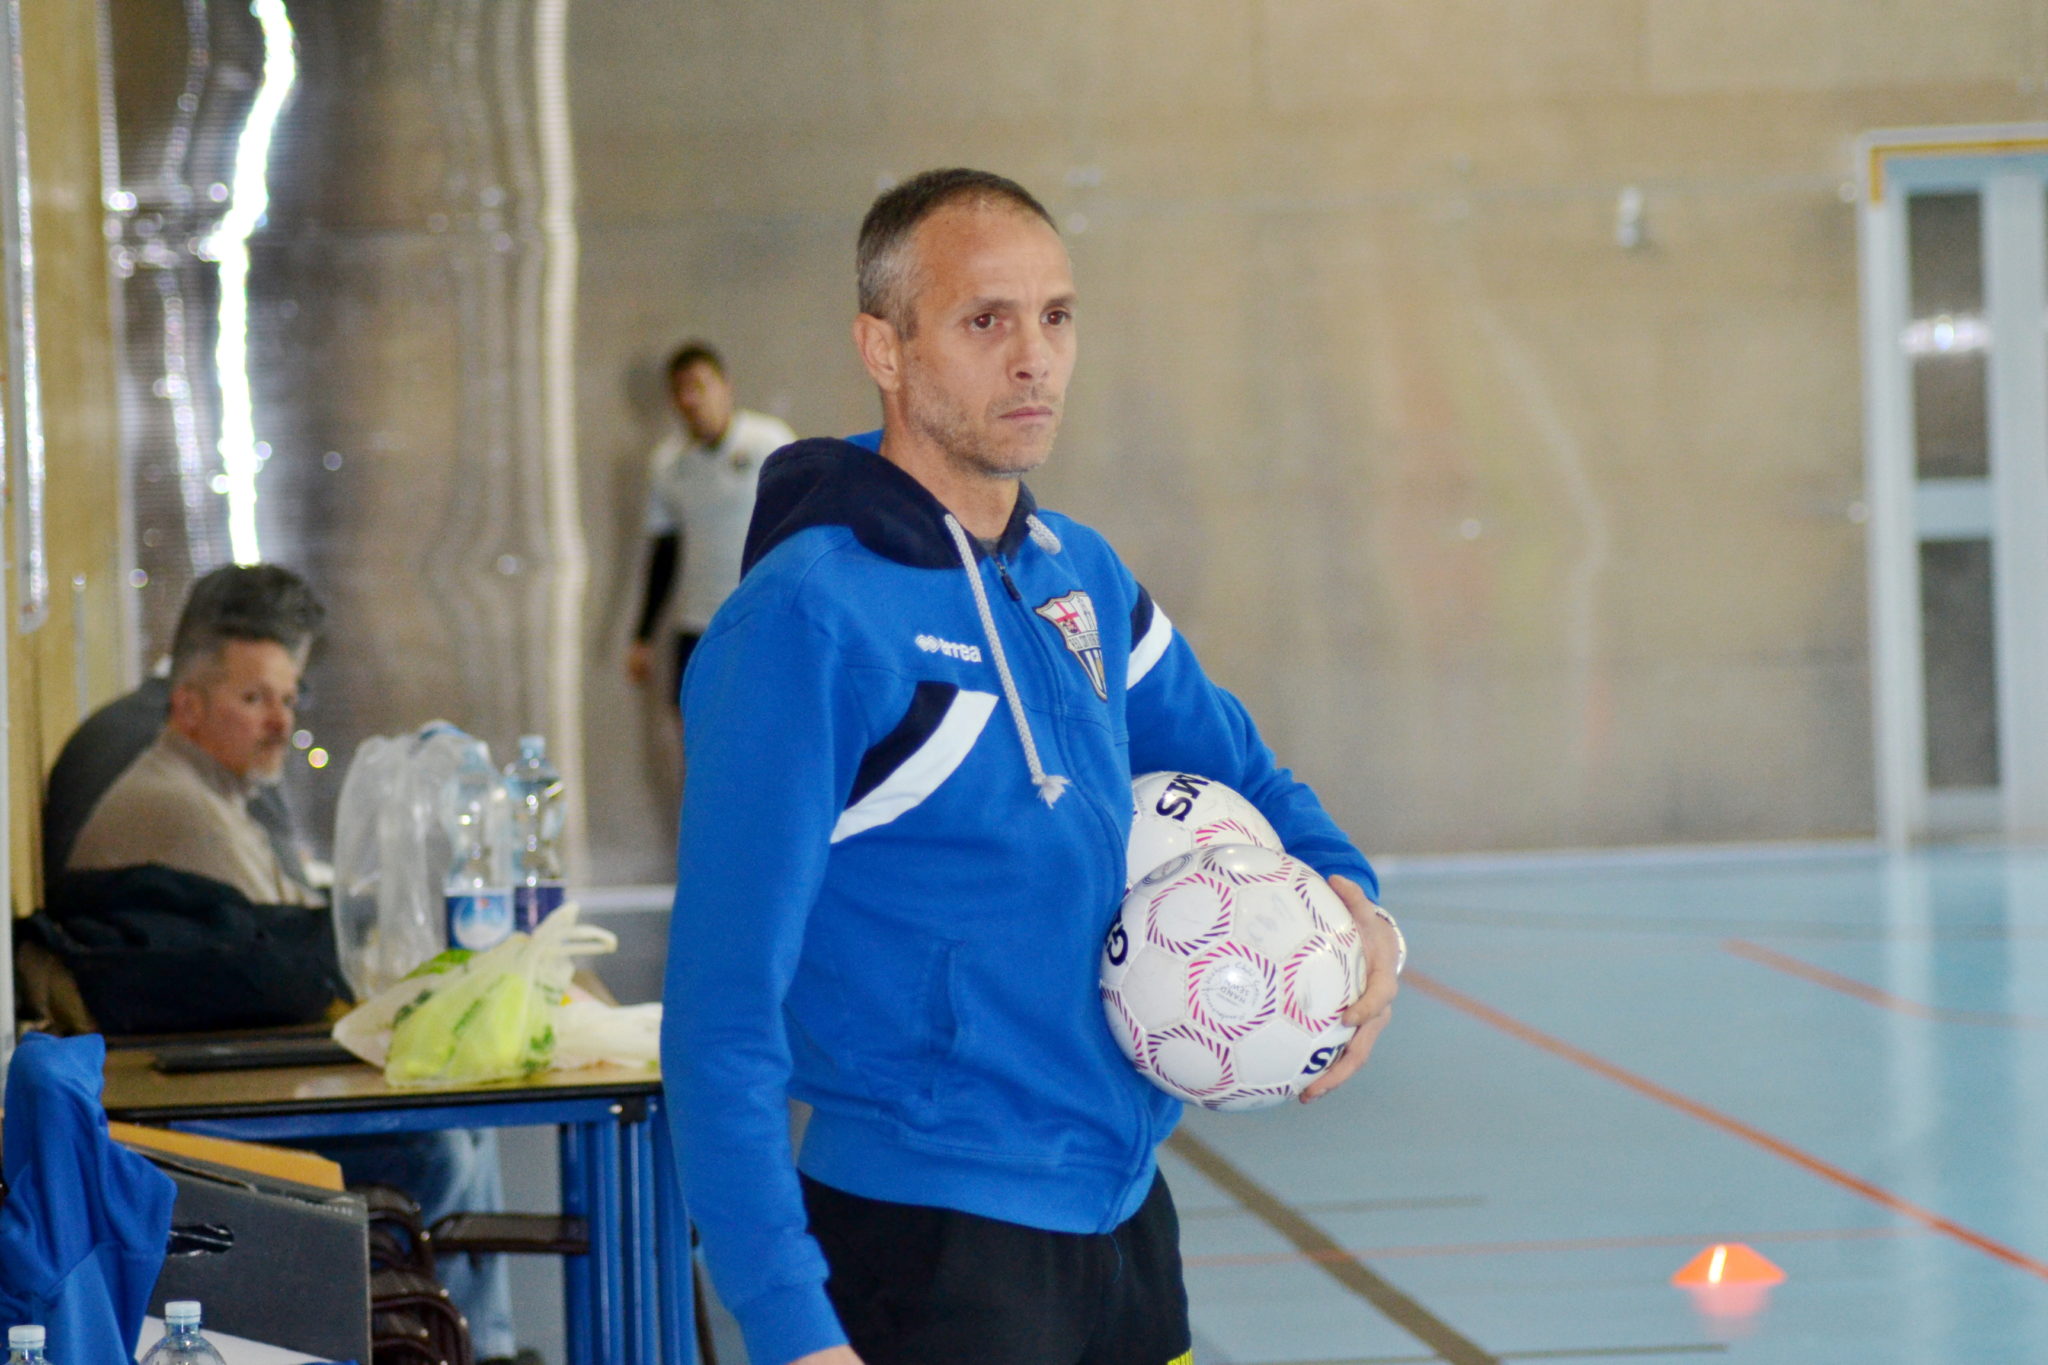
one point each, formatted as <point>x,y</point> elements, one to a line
<point>1050,785</point>
<point>1041,535</point>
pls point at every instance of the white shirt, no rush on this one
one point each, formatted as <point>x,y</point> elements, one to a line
<point>706,493</point>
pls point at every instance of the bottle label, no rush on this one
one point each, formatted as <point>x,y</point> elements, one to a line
<point>532,904</point>
<point>479,919</point>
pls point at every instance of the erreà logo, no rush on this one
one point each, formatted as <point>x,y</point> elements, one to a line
<point>932,644</point>
<point>1074,615</point>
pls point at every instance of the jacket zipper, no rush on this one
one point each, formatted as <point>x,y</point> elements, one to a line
<point>1142,1126</point>
<point>1004,574</point>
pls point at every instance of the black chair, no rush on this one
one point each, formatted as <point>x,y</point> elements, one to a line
<point>403,1299</point>
<point>401,1245</point>
<point>400,1338</point>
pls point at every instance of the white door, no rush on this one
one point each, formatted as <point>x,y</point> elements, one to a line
<point>1955,294</point>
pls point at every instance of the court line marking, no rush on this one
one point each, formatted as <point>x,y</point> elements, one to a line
<point>1727,1123</point>
<point>1704,1348</point>
<point>1404,1312</point>
<point>1420,909</point>
<point>1849,985</point>
<point>1423,1249</point>
<point>1711,1348</point>
<point>1413,1204</point>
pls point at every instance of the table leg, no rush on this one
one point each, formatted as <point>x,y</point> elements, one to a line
<point>579,1314</point>
<point>641,1252</point>
<point>607,1254</point>
<point>672,1221</point>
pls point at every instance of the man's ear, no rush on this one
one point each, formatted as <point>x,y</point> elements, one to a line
<point>881,350</point>
<point>188,707</point>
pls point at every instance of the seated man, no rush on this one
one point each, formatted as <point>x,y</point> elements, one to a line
<point>186,799</point>
<point>114,736</point>
<point>268,613</point>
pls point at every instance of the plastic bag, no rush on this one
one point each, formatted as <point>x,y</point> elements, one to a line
<point>592,1033</point>
<point>391,854</point>
<point>463,1018</point>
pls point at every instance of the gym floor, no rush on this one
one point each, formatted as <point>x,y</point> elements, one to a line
<point>1600,1068</point>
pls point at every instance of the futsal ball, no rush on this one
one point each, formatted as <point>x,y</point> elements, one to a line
<point>1225,974</point>
<point>1176,813</point>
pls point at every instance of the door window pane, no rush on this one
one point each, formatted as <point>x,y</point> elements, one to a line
<point>1960,662</point>
<point>1947,337</point>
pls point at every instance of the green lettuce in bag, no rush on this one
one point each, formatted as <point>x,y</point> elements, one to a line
<point>463,1019</point>
<point>486,1019</point>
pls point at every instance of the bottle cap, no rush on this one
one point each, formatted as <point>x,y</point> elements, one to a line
<point>182,1313</point>
<point>24,1338</point>
<point>535,744</point>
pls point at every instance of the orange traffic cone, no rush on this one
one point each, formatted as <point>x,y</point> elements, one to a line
<point>1730,1284</point>
<point>1728,1263</point>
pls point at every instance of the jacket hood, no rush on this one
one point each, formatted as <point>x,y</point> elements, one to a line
<point>827,482</point>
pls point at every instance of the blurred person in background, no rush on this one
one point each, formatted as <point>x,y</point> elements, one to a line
<point>700,497</point>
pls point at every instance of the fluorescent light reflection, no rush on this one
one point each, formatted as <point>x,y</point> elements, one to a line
<point>1947,334</point>
<point>229,245</point>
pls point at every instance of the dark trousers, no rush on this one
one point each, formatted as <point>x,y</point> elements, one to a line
<point>925,1286</point>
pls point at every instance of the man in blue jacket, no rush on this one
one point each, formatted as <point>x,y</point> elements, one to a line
<point>912,733</point>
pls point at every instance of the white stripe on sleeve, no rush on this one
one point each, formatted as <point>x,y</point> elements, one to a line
<point>1151,649</point>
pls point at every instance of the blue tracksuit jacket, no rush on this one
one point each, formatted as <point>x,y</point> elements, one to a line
<point>877,909</point>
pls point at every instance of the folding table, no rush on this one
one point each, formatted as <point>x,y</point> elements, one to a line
<point>617,1169</point>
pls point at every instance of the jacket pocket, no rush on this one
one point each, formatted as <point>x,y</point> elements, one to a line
<point>943,1026</point>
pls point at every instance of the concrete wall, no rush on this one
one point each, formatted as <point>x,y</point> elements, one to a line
<point>1510,536</point>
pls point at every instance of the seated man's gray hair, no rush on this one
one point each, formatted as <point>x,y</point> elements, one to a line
<point>243,602</point>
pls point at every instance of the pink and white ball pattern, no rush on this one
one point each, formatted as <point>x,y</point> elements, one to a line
<point>1225,975</point>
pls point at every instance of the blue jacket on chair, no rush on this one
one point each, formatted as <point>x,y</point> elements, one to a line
<point>83,1230</point>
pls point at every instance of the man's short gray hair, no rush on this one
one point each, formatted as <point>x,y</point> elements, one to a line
<point>882,260</point>
<point>243,602</point>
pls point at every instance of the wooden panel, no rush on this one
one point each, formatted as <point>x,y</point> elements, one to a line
<point>304,1167</point>
<point>60,56</point>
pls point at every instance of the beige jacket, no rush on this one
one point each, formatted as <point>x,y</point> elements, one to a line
<point>177,806</point>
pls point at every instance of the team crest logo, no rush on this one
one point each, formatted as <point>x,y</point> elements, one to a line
<point>1074,614</point>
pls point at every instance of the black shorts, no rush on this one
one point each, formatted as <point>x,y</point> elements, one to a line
<point>924,1286</point>
<point>686,645</point>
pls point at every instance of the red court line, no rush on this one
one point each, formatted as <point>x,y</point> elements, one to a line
<point>1821,976</point>
<point>1690,1240</point>
<point>1732,1126</point>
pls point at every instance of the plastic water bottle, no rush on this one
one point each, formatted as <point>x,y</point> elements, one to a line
<point>182,1344</point>
<point>535,790</point>
<point>25,1346</point>
<point>478,898</point>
